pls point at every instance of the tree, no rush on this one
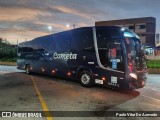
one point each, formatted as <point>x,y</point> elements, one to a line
<point>7,51</point>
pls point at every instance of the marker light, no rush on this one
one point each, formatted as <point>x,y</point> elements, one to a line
<point>31,68</point>
<point>133,75</point>
<point>103,78</point>
<point>69,74</point>
<point>53,71</point>
<point>42,69</point>
<point>127,40</point>
<point>130,66</point>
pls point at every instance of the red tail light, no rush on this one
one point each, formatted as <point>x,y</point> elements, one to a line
<point>130,68</point>
<point>127,40</point>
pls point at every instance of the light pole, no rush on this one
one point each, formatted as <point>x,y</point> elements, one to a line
<point>74,26</point>
<point>50,29</point>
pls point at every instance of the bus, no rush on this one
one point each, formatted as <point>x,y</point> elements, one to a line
<point>111,56</point>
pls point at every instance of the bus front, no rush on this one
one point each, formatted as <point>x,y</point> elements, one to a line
<point>120,58</point>
<point>137,70</point>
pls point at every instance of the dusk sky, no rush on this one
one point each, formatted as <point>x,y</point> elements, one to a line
<point>26,19</point>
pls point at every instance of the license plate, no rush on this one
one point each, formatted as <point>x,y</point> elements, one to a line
<point>113,79</point>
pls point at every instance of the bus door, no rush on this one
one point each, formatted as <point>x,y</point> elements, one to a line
<point>115,63</point>
<point>115,55</point>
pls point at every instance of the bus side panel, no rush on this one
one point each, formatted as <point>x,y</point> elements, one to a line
<point>61,52</point>
<point>73,49</point>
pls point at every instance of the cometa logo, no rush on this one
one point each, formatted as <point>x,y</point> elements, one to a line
<point>65,56</point>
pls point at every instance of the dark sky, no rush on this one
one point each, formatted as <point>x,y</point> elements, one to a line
<point>27,19</point>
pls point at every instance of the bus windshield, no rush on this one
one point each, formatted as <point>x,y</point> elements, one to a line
<point>112,50</point>
<point>136,57</point>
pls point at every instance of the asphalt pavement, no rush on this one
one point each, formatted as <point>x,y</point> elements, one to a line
<point>21,92</point>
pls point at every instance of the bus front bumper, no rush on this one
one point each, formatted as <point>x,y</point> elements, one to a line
<point>140,82</point>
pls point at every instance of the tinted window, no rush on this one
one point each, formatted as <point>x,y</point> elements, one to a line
<point>110,48</point>
<point>25,55</point>
<point>142,26</point>
<point>83,39</point>
<point>25,49</point>
<point>115,52</point>
<point>143,35</point>
<point>132,46</point>
<point>37,55</point>
<point>129,34</point>
<point>45,43</point>
<point>131,27</point>
<point>104,34</point>
<point>29,56</point>
<point>63,41</point>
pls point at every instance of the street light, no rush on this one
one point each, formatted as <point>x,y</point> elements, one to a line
<point>50,29</point>
<point>67,25</point>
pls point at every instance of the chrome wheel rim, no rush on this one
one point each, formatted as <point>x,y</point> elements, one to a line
<point>85,78</point>
<point>27,70</point>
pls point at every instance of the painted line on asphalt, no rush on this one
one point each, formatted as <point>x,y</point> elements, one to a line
<point>44,105</point>
<point>151,98</point>
<point>152,88</point>
<point>155,89</point>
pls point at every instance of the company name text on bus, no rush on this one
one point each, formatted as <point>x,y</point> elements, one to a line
<point>65,56</point>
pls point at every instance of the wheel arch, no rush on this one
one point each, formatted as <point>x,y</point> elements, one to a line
<point>80,69</point>
<point>26,65</point>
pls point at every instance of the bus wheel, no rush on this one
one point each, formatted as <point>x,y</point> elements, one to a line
<point>86,79</point>
<point>28,69</point>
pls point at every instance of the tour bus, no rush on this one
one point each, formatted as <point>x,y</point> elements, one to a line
<point>107,55</point>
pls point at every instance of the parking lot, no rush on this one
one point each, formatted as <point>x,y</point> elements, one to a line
<point>21,92</point>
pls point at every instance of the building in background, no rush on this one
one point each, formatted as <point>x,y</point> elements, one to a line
<point>157,40</point>
<point>145,27</point>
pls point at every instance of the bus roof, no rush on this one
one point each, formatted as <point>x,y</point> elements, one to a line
<point>81,28</point>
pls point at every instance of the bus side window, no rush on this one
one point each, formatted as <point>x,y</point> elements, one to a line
<point>29,56</point>
<point>103,56</point>
<point>115,53</point>
<point>37,55</point>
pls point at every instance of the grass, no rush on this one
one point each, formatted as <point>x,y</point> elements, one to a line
<point>153,64</point>
<point>8,61</point>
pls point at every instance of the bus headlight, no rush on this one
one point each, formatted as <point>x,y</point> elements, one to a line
<point>133,75</point>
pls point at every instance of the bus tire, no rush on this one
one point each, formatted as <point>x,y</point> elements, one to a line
<point>86,79</point>
<point>28,69</point>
